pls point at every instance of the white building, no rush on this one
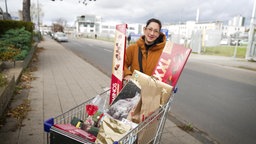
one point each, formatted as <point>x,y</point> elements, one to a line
<point>185,30</point>
<point>237,21</point>
<point>228,31</point>
<point>90,25</point>
<point>180,33</point>
<point>210,33</point>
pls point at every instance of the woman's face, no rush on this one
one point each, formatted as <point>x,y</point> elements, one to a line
<point>151,32</point>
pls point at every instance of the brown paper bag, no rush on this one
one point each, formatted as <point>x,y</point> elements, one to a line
<point>154,93</point>
<point>149,102</point>
<point>111,130</point>
<point>143,79</point>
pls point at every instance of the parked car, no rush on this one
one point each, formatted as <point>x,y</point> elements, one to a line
<point>61,37</point>
<point>244,42</point>
<point>235,42</point>
<point>224,42</point>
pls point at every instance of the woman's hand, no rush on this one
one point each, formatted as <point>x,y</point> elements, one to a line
<point>126,79</point>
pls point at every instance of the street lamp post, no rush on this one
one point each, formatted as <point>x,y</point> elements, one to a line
<point>250,48</point>
<point>237,42</point>
<point>38,17</point>
<point>6,9</point>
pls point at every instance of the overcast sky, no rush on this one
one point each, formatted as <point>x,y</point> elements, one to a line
<point>138,11</point>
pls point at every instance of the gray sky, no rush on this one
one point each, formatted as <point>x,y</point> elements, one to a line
<point>138,11</point>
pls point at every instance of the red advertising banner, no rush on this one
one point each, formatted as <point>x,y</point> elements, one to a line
<point>118,61</point>
<point>171,63</point>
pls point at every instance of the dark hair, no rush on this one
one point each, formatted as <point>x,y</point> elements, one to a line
<point>154,20</point>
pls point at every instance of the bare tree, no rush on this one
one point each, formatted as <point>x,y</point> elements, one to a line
<point>61,21</point>
<point>36,13</point>
<point>59,24</point>
<point>57,28</point>
<point>26,11</point>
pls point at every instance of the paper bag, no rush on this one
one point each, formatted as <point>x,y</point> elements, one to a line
<point>154,93</point>
<point>143,79</point>
<point>149,102</point>
<point>111,130</point>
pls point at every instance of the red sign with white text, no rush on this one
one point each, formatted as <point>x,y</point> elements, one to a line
<point>118,61</point>
<point>171,63</point>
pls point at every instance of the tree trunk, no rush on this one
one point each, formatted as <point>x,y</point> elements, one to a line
<point>26,11</point>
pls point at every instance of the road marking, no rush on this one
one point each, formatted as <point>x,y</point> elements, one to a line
<point>108,50</point>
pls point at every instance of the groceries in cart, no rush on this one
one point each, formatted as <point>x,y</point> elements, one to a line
<point>138,99</point>
<point>137,110</point>
<point>121,108</point>
<point>112,130</point>
<point>125,101</point>
<point>76,131</point>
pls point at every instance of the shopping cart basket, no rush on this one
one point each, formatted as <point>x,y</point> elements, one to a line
<point>155,121</point>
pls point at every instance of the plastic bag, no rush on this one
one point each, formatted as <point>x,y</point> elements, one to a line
<point>122,107</point>
<point>95,108</point>
<point>101,101</point>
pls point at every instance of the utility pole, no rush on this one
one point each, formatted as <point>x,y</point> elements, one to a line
<point>251,49</point>
<point>6,9</point>
<point>38,19</point>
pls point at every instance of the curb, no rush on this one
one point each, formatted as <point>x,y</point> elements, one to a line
<point>194,132</point>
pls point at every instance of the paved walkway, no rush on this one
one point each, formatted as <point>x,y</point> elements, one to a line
<point>63,80</point>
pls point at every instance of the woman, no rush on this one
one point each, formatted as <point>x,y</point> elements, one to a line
<point>145,53</point>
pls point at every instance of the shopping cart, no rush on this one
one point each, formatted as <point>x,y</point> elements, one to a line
<point>170,66</point>
<point>151,128</point>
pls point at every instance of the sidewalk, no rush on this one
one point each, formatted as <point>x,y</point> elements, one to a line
<point>225,61</point>
<point>63,80</point>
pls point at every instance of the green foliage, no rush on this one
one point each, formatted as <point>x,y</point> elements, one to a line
<point>3,80</point>
<point>6,25</point>
<point>22,55</point>
<point>7,54</point>
<point>19,38</point>
<point>37,36</point>
<point>15,44</point>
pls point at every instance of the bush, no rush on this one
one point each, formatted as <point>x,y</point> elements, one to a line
<point>15,44</point>
<point>6,25</point>
<point>9,53</point>
<point>22,55</point>
<point>3,80</point>
<point>20,38</point>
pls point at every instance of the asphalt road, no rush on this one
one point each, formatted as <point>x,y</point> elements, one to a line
<point>218,100</point>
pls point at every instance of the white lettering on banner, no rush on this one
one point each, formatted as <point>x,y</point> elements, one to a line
<point>162,68</point>
<point>114,90</point>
